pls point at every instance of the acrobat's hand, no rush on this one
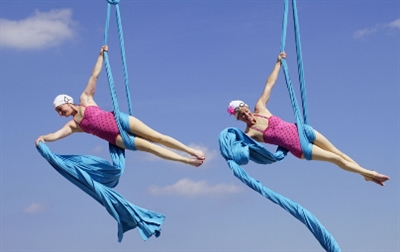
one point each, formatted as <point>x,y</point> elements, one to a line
<point>40,139</point>
<point>103,49</point>
<point>282,55</point>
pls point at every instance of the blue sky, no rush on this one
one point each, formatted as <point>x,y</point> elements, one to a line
<point>187,60</point>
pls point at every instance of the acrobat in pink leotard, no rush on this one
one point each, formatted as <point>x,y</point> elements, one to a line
<point>281,133</point>
<point>99,123</point>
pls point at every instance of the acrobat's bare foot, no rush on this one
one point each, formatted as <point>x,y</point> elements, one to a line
<point>195,162</point>
<point>198,154</point>
<point>377,178</point>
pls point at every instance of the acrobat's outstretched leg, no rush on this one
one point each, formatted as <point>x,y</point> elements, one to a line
<point>325,144</point>
<point>144,145</point>
<point>139,128</point>
<point>147,146</point>
<point>323,155</point>
<point>322,142</point>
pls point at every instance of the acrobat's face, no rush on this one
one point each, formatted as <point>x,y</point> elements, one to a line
<point>245,115</point>
<point>64,110</point>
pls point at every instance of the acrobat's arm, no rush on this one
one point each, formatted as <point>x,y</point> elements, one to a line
<point>65,131</point>
<point>86,97</point>
<point>269,84</point>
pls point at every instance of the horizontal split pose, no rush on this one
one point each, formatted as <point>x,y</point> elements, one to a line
<point>262,126</point>
<point>89,118</point>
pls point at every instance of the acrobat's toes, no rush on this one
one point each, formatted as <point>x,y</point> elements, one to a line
<point>195,162</point>
<point>374,180</point>
<point>377,178</point>
<point>199,154</point>
<point>381,178</point>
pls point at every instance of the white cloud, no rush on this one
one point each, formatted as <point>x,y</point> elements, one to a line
<point>187,187</point>
<point>98,149</point>
<point>364,32</point>
<point>42,30</point>
<point>35,208</point>
<point>395,23</point>
<point>376,28</point>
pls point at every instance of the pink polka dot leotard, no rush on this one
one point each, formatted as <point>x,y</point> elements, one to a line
<point>99,123</point>
<point>281,133</point>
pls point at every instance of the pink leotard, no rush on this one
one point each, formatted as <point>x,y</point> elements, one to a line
<point>281,133</point>
<point>99,123</point>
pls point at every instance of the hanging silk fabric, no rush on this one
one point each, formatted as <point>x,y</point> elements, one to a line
<point>238,148</point>
<point>96,176</point>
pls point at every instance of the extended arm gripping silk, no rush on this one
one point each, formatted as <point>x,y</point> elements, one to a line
<point>238,148</point>
<point>96,176</point>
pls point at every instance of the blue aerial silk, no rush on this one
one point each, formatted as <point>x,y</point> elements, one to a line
<point>96,176</point>
<point>238,148</point>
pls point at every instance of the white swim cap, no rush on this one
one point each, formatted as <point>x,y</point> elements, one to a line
<point>62,99</point>
<point>235,106</point>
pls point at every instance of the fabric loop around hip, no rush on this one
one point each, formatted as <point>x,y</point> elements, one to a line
<point>124,120</point>
<point>114,2</point>
<point>306,140</point>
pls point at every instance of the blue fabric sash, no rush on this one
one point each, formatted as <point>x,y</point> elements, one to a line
<point>238,148</point>
<point>96,177</point>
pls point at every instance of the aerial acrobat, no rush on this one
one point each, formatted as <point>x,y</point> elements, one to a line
<point>238,147</point>
<point>263,126</point>
<point>90,118</point>
<point>97,176</point>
